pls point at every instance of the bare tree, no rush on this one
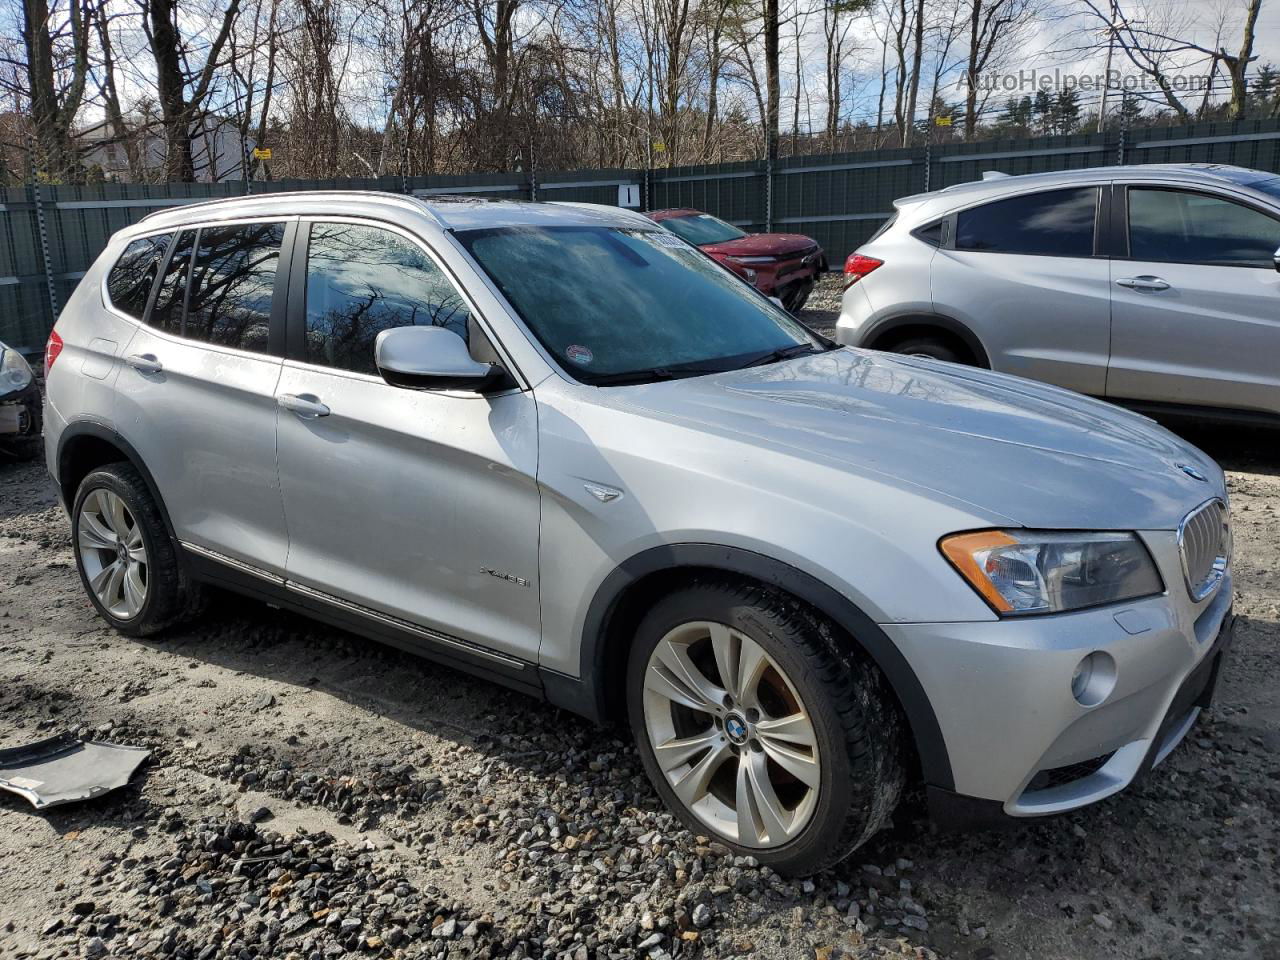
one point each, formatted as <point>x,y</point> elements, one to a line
<point>183,90</point>
<point>56,44</point>
<point>995,29</point>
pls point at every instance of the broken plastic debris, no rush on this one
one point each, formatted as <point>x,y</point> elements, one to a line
<point>64,769</point>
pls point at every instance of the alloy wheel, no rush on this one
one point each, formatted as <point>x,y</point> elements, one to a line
<point>113,553</point>
<point>731,735</point>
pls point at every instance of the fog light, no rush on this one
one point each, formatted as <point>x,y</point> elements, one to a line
<point>1094,679</point>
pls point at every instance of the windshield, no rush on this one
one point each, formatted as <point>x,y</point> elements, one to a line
<point>700,228</point>
<point>615,304</point>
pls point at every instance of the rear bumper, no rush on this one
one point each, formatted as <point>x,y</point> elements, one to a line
<point>1115,770</point>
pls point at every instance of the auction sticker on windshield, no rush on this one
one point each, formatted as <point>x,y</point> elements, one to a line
<point>579,354</point>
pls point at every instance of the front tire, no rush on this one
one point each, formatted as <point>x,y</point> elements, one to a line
<point>126,559</point>
<point>757,730</point>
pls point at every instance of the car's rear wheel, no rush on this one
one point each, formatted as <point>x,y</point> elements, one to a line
<point>755,731</point>
<point>126,560</point>
<point>933,347</point>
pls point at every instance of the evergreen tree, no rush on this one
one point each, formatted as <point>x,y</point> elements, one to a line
<point>1265,95</point>
<point>1066,111</point>
<point>1042,108</point>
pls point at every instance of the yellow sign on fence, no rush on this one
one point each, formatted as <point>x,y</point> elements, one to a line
<point>942,121</point>
<point>262,153</point>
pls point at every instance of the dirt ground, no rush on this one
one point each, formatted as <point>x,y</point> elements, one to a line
<point>310,794</point>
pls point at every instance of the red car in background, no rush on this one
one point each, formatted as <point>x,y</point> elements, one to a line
<point>782,265</point>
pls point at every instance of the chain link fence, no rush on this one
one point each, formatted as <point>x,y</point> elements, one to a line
<point>49,235</point>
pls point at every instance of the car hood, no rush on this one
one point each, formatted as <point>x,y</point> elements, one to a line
<point>1022,452</point>
<point>762,245</point>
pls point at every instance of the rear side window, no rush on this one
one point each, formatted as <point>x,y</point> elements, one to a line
<point>232,280</point>
<point>166,314</point>
<point>1057,223</point>
<point>130,281</point>
<point>363,280</point>
<point>1176,226</point>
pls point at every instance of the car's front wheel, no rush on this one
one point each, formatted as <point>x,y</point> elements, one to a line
<point>757,731</point>
<point>126,560</point>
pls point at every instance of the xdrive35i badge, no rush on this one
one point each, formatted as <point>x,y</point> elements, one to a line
<point>1192,472</point>
<point>510,578</point>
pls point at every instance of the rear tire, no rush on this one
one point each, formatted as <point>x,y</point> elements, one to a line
<point>128,564</point>
<point>935,348</point>
<point>778,743</point>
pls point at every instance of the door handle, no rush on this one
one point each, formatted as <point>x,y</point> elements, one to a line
<point>303,405</point>
<point>144,362</point>
<point>1143,283</point>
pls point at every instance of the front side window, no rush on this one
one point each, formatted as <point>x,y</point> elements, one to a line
<point>232,280</point>
<point>616,305</point>
<point>363,280</point>
<point>1056,223</point>
<point>170,303</point>
<point>129,282</point>
<point>702,228</point>
<point>1177,226</point>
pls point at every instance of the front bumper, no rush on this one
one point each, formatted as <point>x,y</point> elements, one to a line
<point>1018,742</point>
<point>20,416</point>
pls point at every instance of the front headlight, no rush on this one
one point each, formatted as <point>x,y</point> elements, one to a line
<point>1020,572</point>
<point>15,372</point>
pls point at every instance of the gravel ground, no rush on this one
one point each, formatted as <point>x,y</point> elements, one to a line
<point>311,795</point>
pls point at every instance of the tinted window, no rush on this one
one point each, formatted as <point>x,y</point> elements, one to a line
<point>613,303</point>
<point>130,280</point>
<point>231,285</point>
<point>1056,223</point>
<point>171,297</point>
<point>1175,226</point>
<point>363,280</point>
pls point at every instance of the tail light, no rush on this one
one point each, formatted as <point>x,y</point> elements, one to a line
<point>51,351</point>
<point>857,267</point>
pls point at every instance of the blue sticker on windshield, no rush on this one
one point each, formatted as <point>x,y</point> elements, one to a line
<point>579,354</point>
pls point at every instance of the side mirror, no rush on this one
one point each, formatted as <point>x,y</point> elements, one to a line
<point>1275,259</point>
<point>432,358</point>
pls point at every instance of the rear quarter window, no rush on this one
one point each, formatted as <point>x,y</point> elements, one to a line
<point>131,278</point>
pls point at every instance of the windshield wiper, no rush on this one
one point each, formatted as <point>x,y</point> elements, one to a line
<point>651,375</point>
<point>784,353</point>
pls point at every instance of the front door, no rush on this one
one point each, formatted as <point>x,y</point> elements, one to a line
<point>196,398</point>
<point>1196,304</point>
<point>418,505</point>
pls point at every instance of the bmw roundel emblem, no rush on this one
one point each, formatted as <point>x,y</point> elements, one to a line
<point>736,728</point>
<point>1192,472</point>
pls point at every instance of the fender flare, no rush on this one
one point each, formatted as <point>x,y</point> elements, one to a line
<point>925,730</point>
<point>100,431</point>
<point>941,321</point>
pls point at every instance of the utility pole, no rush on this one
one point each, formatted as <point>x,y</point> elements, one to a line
<point>1112,27</point>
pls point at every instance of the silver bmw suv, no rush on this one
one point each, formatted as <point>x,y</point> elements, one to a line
<point>557,446</point>
<point>1153,286</point>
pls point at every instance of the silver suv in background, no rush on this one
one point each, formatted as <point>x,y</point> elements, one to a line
<point>1153,286</point>
<point>559,447</point>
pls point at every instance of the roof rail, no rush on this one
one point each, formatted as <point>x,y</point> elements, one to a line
<point>381,194</point>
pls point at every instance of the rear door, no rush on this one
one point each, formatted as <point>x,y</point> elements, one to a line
<point>1195,300</point>
<point>1028,275</point>
<point>196,397</point>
